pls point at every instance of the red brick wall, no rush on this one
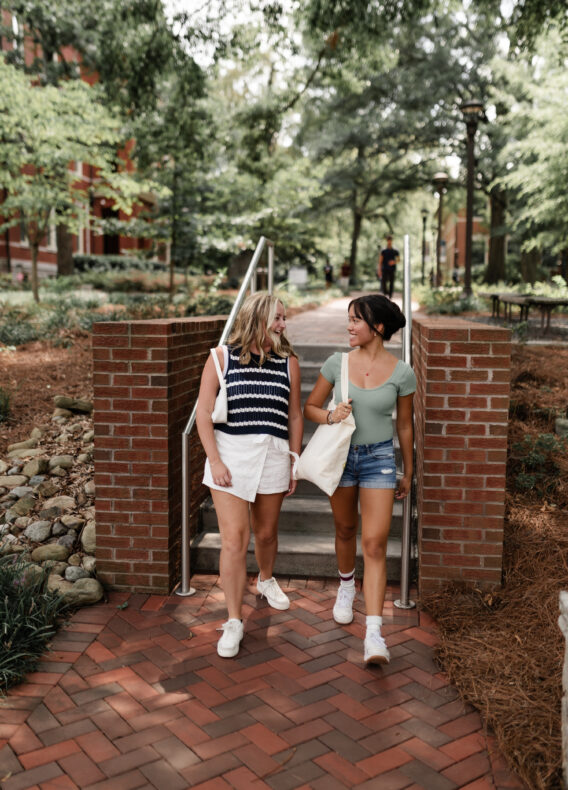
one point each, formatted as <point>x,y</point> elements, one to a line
<point>146,380</point>
<point>461,414</point>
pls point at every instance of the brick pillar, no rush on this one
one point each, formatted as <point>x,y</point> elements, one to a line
<point>461,415</point>
<point>146,379</point>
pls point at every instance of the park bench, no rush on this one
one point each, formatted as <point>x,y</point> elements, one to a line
<point>546,304</point>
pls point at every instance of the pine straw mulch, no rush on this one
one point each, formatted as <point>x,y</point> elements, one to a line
<point>503,649</point>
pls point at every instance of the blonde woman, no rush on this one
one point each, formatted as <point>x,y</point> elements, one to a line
<point>248,457</point>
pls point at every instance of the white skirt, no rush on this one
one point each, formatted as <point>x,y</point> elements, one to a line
<point>258,463</point>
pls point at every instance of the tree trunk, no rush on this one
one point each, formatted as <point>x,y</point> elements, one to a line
<point>495,271</point>
<point>529,264</point>
<point>357,222</point>
<point>35,285</point>
<point>64,251</point>
<point>564,263</point>
<point>173,249</point>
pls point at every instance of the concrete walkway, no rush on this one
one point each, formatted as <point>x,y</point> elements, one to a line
<point>134,695</point>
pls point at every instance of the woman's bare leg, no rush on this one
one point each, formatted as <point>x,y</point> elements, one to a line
<point>376,517</point>
<point>346,519</point>
<point>234,526</point>
<point>265,511</point>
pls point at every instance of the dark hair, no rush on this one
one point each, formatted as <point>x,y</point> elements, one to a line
<point>378,309</point>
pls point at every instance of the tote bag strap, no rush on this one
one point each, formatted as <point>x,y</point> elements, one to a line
<point>217,366</point>
<point>344,394</point>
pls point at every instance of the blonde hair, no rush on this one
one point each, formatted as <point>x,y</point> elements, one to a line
<point>254,320</point>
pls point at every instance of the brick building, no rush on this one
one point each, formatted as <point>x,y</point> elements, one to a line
<point>15,253</point>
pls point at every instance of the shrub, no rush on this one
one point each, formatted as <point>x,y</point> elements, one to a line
<point>29,615</point>
<point>534,463</point>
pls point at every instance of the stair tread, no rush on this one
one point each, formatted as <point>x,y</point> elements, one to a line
<point>292,543</point>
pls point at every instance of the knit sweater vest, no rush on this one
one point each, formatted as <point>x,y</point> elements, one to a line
<point>257,395</point>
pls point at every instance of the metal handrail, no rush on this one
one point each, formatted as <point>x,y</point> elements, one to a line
<point>249,280</point>
<point>404,602</point>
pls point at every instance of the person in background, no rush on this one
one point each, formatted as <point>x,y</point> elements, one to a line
<point>248,457</point>
<point>379,384</point>
<point>386,269</point>
<point>328,274</point>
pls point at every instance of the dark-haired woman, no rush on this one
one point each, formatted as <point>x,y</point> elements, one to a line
<point>379,384</point>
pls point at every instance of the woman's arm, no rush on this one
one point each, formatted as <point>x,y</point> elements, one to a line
<point>295,418</point>
<point>205,405</point>
<point>405,432</point>
<point>313,408</point>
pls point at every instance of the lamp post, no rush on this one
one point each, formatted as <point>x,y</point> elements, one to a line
<point>440,180</point>
<point>472,111</point>
<point>424,213</point>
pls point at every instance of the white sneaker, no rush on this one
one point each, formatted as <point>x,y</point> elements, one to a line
<point>270,589</point>
<point>228,645</point>
<point>343,607</point>
<point>376,651</point>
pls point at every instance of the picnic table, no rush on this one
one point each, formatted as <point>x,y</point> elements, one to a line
<point>546,304</point>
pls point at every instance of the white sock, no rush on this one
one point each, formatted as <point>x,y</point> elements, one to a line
<point>373,622</point>
<point>347,579</point>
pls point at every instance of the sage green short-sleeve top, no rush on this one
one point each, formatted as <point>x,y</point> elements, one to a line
<point>372,408</point>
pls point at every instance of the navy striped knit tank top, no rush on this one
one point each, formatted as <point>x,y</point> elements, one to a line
<point>257,395</point>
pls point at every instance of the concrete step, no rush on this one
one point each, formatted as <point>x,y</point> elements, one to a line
<point>302,514</point>
<point>297,555</point>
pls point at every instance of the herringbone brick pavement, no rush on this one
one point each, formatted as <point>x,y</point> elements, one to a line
<point>134,695</point>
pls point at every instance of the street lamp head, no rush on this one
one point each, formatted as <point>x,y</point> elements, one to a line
<point>440,180</point>
<point>472,108</point>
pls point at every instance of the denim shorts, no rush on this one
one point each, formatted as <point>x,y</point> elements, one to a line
<point>370,466</point>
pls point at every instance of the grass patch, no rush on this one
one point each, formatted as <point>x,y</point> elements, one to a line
<point>29,618</point>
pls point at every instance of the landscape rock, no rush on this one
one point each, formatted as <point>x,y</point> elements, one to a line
<point>61,415</point>
<point>21,491</point>
<point>62,461</point>
<point>48,488</point>
<point>50,551</point>
<point>52,566</point>
<point>23,506</point>
<point>38,531</point>
<point>68,541</point>
<point>89,564</point>
<point>90,488</point>
<point>58,529</point>
<point>56,583</point>
<point>72,522</point>
<point>74,559</point>
<point>74,572</point>
<point>23,453</point>
<point>3,467</point>
<point>22,445</point>
<point>84,591</point>
<point>73,404</point>
<point>59,471</point>
<point>89,537</point>
<point>61,502</point>
<point>36,466</point>
<point>12,481</point>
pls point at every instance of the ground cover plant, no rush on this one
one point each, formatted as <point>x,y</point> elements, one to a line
<point>503,649</point>
<point>29,618</point>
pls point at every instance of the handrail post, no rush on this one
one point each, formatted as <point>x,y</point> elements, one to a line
<point>270,282</point>
<point>248,281</point>
<point>404,602</point>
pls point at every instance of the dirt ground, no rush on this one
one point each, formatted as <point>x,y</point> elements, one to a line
<point>503,650</point>
<point>33,374</point>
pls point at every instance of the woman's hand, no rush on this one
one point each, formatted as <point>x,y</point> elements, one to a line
<point>341,411</point>
<point>292,486</point>
<point>220,473</point>
<point>403,488</point>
